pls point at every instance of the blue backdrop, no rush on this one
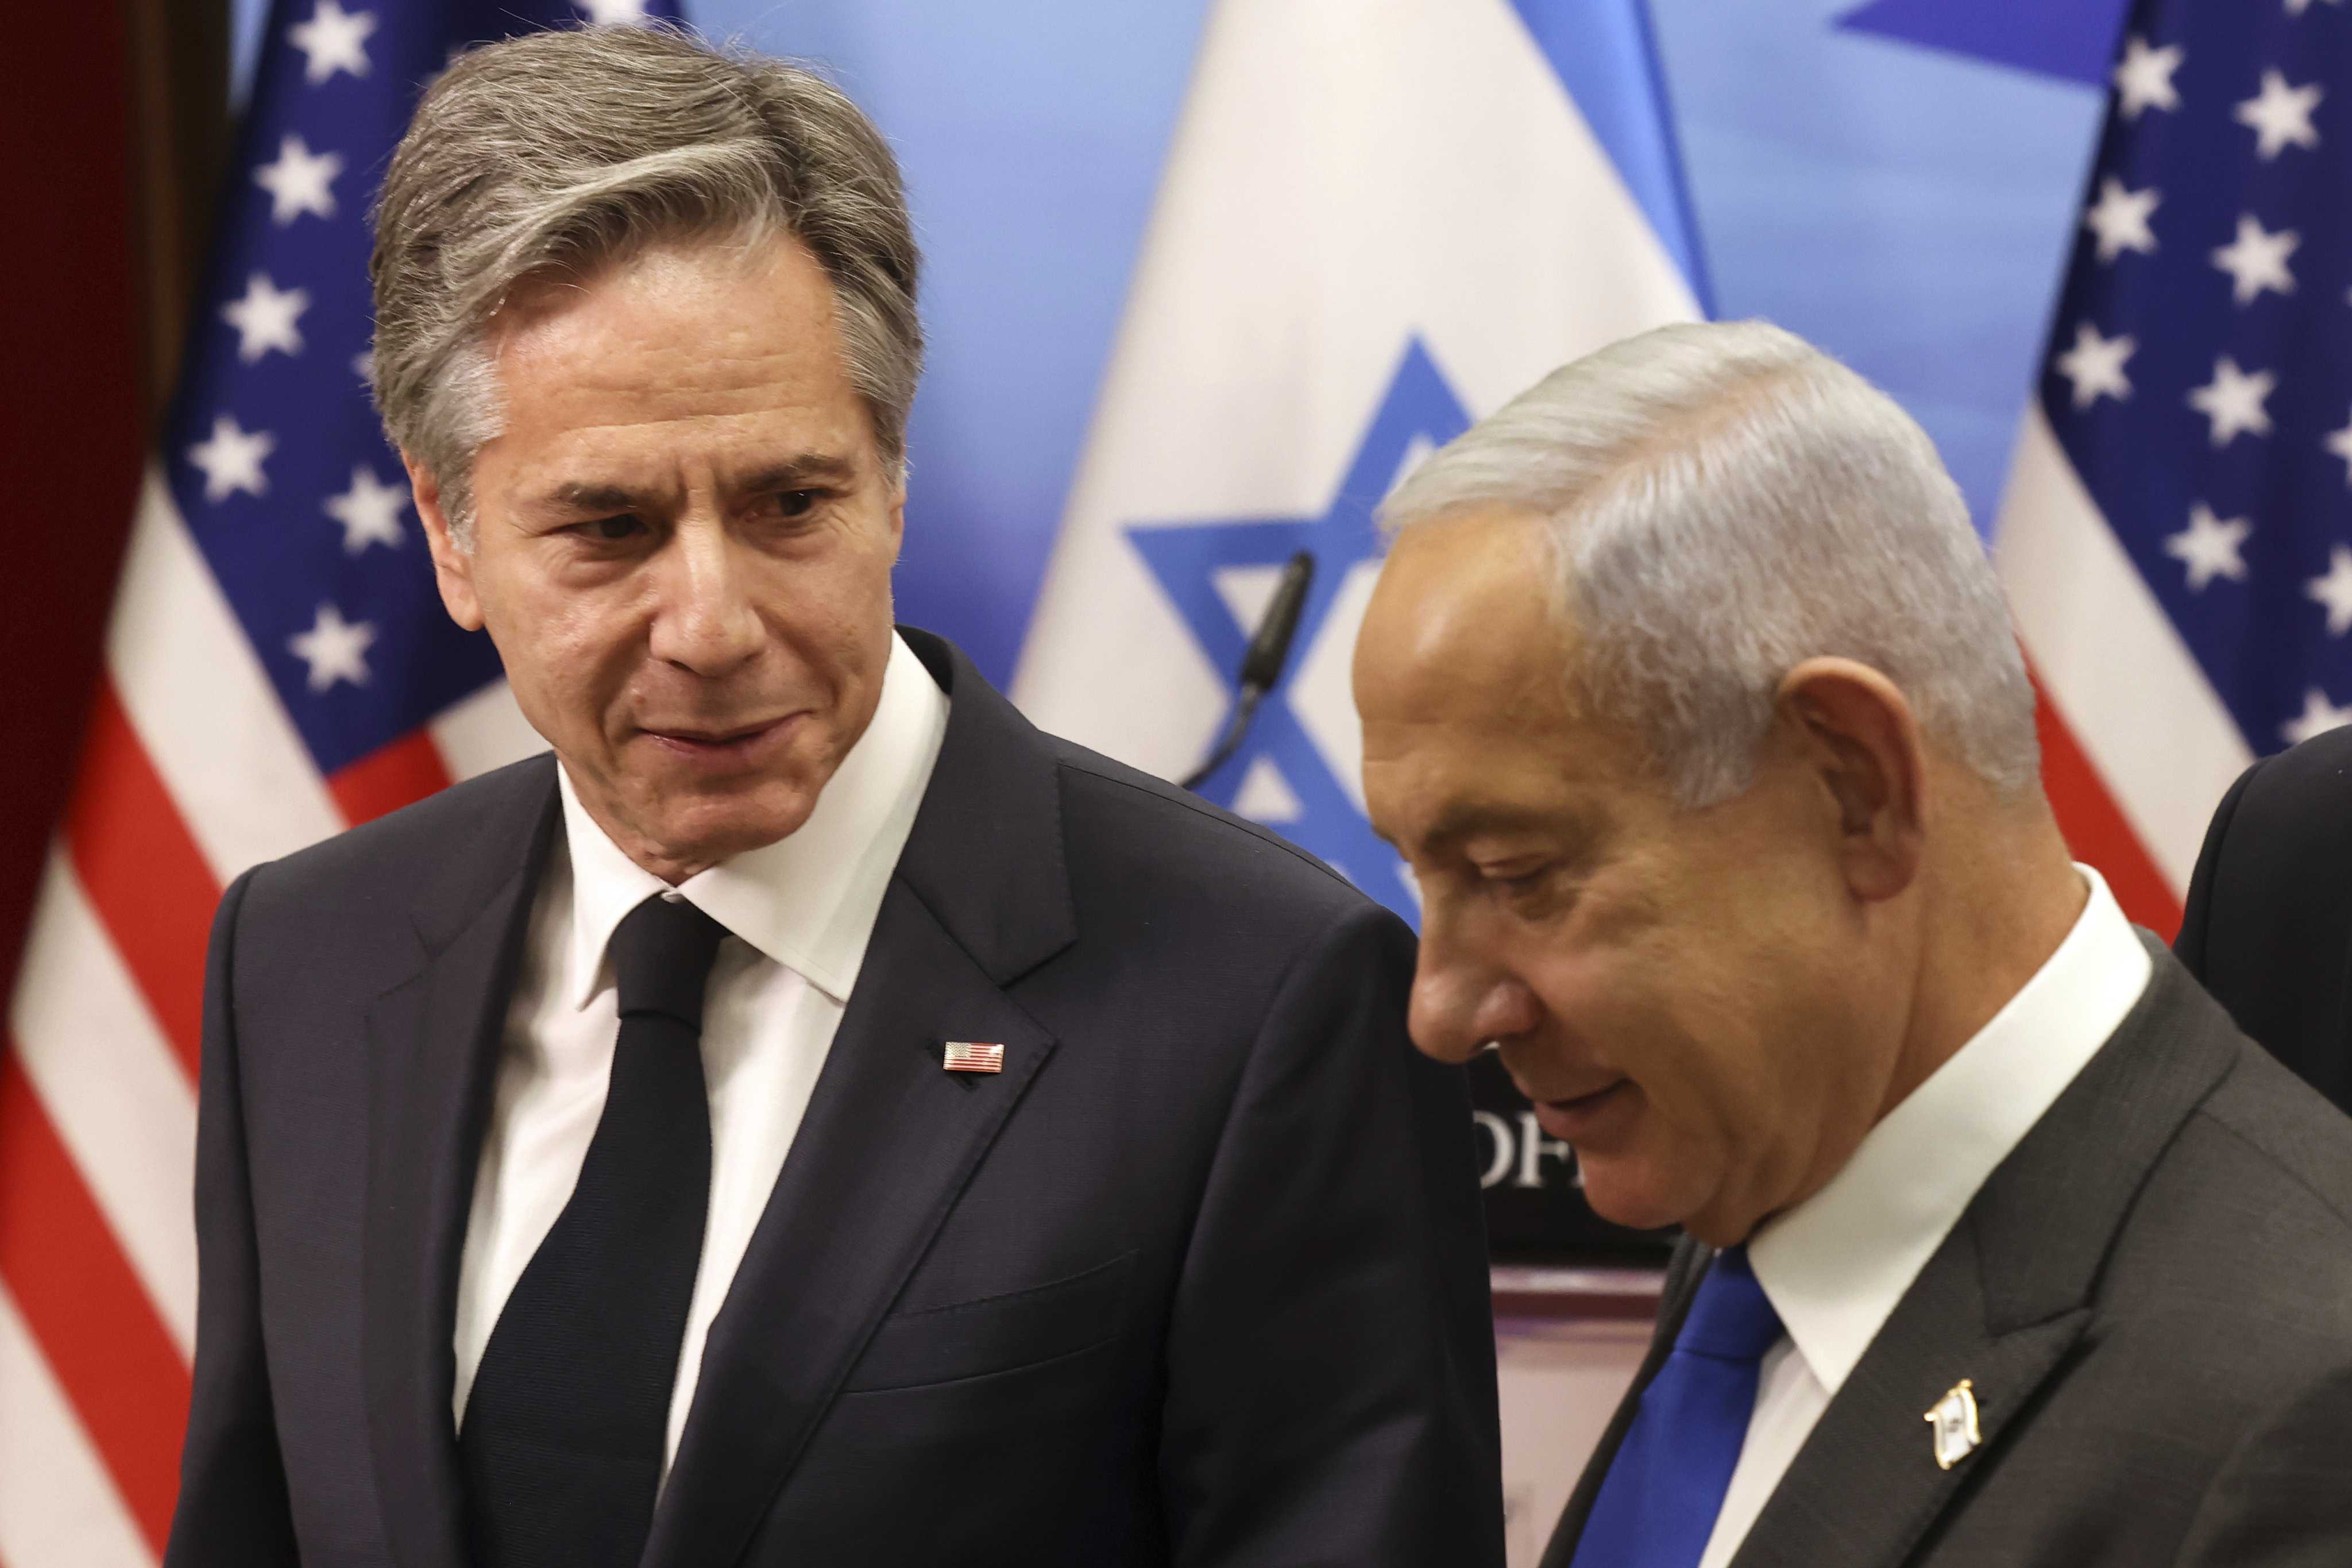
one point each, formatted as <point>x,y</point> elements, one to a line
<point>1895,179</point>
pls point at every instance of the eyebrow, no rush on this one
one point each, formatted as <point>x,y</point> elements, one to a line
<point>1580,832</point>
<point>808,468</point>
<point>1461,821</point>
<point>591,498</point>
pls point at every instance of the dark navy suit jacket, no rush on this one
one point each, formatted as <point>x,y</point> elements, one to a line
<point>1198,1278</point>
<point>2268,926</point>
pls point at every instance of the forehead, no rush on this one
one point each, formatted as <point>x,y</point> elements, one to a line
<point>1464,610</point>
<point>701,329</point>
<point>1466,679</point>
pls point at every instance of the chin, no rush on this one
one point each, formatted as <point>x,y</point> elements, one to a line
<point>1632,1193</point>
<point>714,834</point>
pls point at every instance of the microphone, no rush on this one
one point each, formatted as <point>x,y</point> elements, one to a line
<point>1261,671</point>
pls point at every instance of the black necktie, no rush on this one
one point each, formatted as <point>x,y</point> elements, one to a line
<point>565,1427</point>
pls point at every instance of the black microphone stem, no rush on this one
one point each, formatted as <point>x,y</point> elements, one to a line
<point>1237,731</point>
<point>1261,671</point>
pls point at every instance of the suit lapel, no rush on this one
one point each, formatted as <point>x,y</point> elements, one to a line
<point>887,1145</point>
<point>2004,1299</point>
<point>1867,1486</point>
<point>980,896</point>
<point>433,1045</point>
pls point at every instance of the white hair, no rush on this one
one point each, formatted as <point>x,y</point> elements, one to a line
<point>1722,501</point>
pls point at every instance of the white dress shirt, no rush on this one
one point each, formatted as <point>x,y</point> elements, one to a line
<point>1835,1265</point>
<point>799,910</point>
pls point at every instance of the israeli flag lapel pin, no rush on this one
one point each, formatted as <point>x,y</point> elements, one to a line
<point>1954,1420</point>
<point>971,1055</point>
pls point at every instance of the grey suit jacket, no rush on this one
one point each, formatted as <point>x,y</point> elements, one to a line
<point>2152,1296</point>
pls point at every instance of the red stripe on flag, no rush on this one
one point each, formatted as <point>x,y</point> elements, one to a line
<point>87,1310</point>
<point>2095,826</point>
<point>142,873</point>
<point>389,777</point>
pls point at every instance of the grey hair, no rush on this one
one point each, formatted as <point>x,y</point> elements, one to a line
<point>557,152</point>
<point>1724,501</point>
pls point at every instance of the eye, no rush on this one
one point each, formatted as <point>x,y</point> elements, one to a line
<point>1530,888</point>
<point>612,530</point>
<point>794,505</point>
<point>1515,876</point>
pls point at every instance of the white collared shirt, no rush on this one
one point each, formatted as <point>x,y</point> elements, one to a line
<point>800,912</point>
<point>1835,1265</point>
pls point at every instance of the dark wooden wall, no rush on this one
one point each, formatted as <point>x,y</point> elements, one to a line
<point>114,121</point>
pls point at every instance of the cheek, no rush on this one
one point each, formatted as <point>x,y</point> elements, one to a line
<point>567,654</point>
<point>859,594</point>
<point>1690,1031</point>
<point>1759,1066</point>
<point>833,613</point>
<point>1626,1007</point>
<point>1692,1060</point>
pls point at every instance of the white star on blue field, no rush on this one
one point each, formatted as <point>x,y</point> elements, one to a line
<point>1316,811</point>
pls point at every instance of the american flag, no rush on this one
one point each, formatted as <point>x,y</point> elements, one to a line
<point>278,668</point>
<point>971,1055</point>
<point>2177,535</point>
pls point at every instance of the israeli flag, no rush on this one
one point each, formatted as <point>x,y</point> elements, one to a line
<point>1381,219</point>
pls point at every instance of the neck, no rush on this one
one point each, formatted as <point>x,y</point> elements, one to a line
<point>1996,910</point>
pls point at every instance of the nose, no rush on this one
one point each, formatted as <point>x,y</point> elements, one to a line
<point>705,620</point>
<point>1463,997</point>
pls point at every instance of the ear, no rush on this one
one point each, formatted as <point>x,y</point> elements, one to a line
<point>1863,741</point>
<point>453,567</point>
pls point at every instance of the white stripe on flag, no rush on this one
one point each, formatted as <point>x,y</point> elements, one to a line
<point>1323,691</point>
<point>203,707</point>
<point>1349,174</point>
<point>115,1093</point>
<point>2110,657</point>
<point>485,730</point>
<point>59,1508</point>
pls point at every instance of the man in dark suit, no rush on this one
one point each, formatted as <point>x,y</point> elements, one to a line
<point>2268,926</point>
<point>812,1117</point>
<point>1691,697</point>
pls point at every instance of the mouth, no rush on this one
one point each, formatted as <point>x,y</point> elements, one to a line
<point>730,749</point>
<point>1579,1117</point>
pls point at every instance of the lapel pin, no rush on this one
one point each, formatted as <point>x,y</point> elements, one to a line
<point>971,1055</point>
<point>1954,1419</point>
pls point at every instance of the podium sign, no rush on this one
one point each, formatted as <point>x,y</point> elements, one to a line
<point>1536,1211</point>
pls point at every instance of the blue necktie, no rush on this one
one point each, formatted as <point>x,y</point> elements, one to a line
<point>1658,1503</point>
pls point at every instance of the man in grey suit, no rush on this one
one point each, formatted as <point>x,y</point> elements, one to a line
<point>1690,696</point>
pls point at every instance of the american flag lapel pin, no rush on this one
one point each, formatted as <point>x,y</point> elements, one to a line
<point>971,1055</point>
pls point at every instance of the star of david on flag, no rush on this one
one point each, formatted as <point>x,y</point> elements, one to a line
<point>1217,574</point>
<point>278,668</point>
<point>1370,232</point>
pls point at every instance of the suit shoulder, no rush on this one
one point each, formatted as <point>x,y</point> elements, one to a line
<point>2290,1134</point>
<point>2239,1235</point>
<point>1118,810</point>
<point>2305,789</point>
<point>488,818</point>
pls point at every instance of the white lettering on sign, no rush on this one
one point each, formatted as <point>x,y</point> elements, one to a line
<point>1500,1132</point>
<point>1518,1153</point>
<point>1533,1146</point>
